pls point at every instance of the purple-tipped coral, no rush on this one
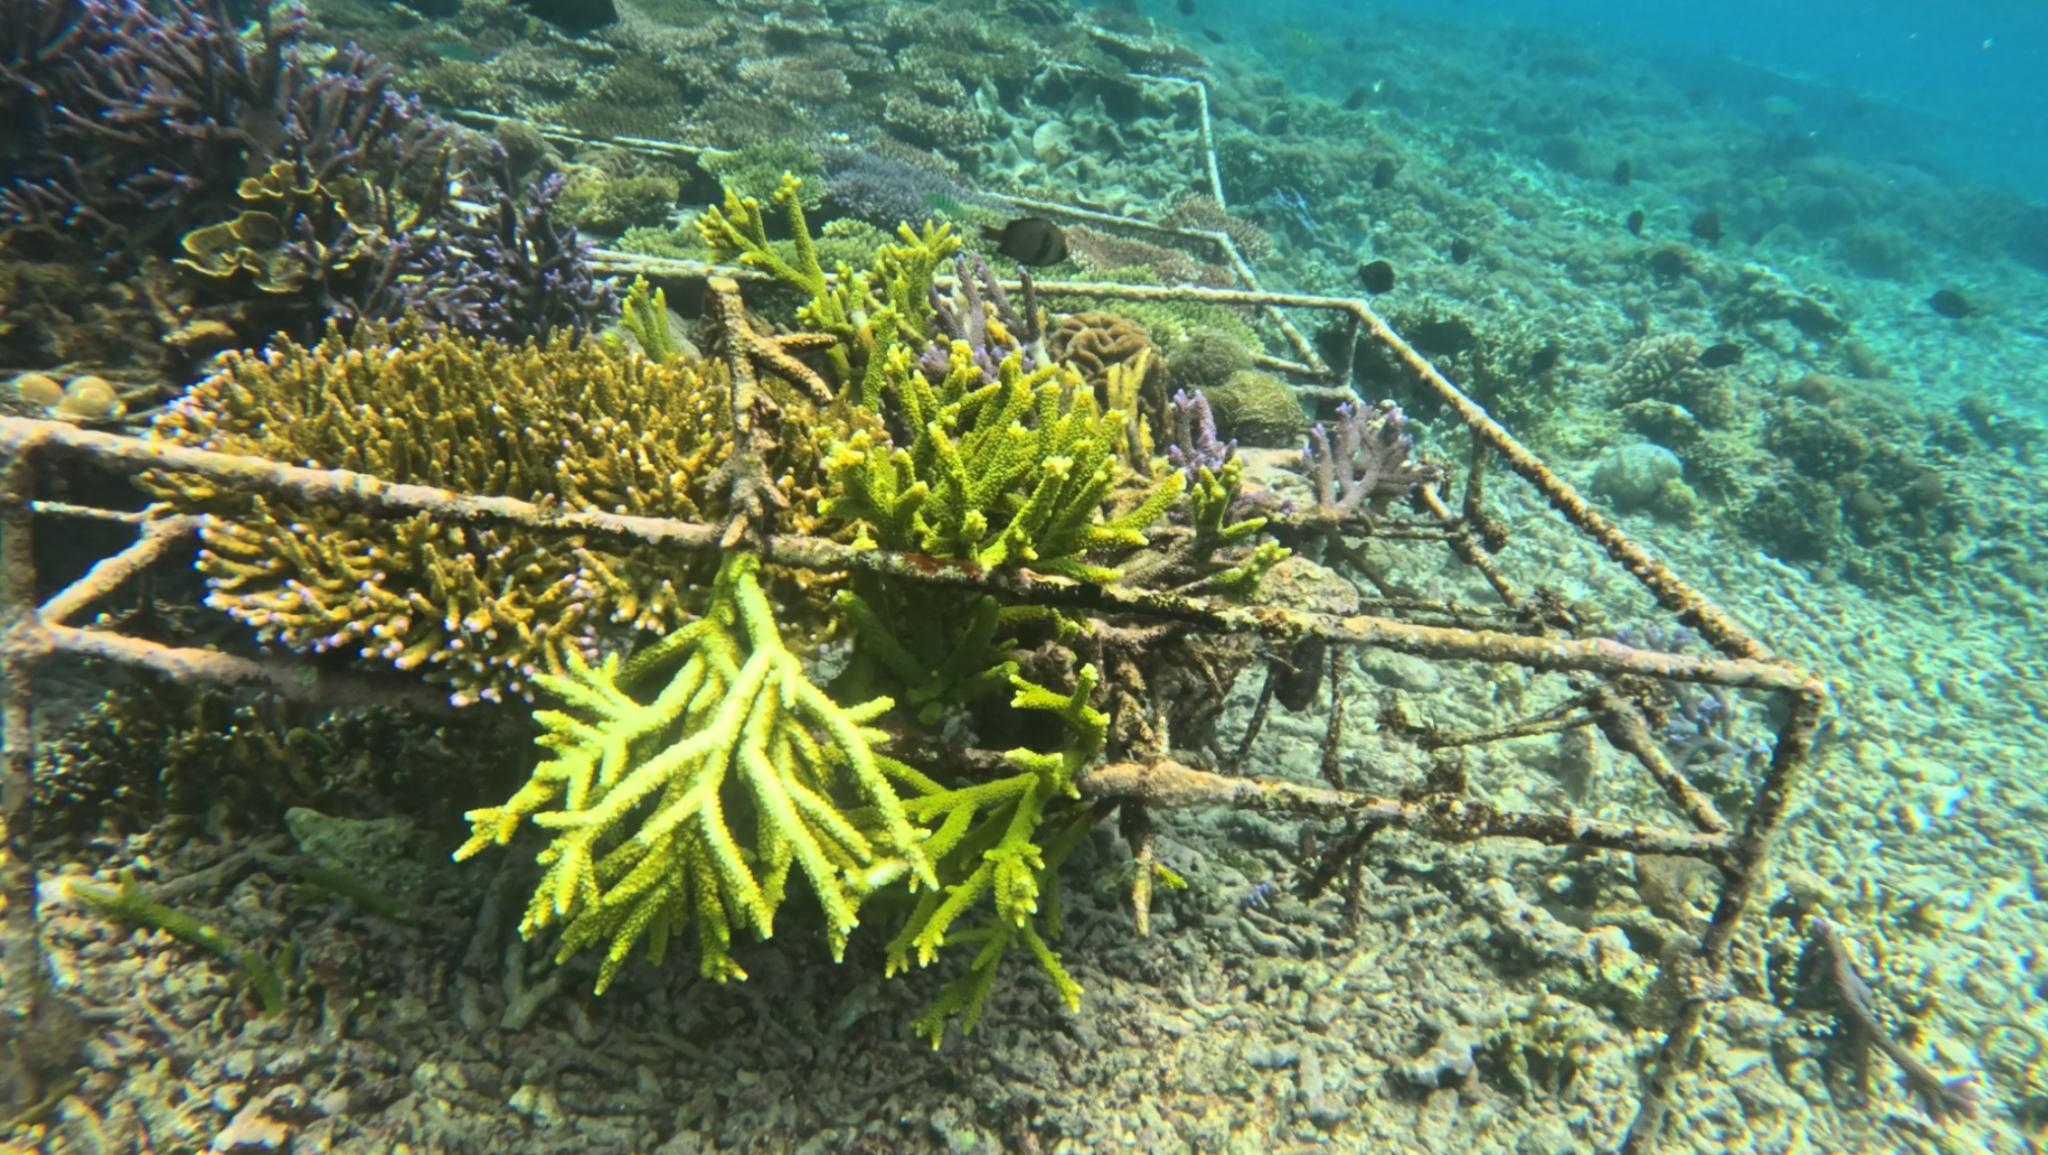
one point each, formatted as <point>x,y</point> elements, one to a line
<point>965,317</point>
<point>1194,445</point>
<point>511,273</point>
<point>1370,463</point>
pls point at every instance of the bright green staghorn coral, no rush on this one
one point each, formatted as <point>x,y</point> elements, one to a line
<point>1211,499</point>
<point>1003,858</point>
<point>644,314</point>
<point>641,795</point>
<point>867,311</point>
<point>1012,472</point>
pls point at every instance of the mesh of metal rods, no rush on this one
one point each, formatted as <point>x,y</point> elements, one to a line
<point>30,632</point>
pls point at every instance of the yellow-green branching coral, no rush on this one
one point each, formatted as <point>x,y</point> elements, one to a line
<point>741,229</point>
<point>645,798</point>
<point>1009,472</point>
<point>867,309</point>
<point>481,607</point>
<point>996,840</point>
<point>937,649</point>
<point>1211,499</point>
<point>644,314</point>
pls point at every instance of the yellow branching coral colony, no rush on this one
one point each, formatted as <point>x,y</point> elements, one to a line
<point>716,728</point>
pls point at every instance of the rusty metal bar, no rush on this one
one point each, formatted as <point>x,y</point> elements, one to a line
<point>1447,818</point>
<point>21,955</point>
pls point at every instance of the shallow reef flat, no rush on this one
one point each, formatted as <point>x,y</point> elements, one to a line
<point>1733,340</point>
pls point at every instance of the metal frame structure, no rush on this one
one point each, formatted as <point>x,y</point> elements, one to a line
<point>31,632</point>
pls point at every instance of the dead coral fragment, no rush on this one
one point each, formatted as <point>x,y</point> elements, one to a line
<point>477,606</point>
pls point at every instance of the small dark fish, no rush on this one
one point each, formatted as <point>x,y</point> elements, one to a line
<point>1545,359</point>
<point>1461,251</point>
<point>1383,173</point>
<point>1350,44</point>
<point>1214,36</point>
<point>1707,227</point>
<point>1031,241</point>
<point>1667,264</point>
<point>1622,173</point>
<point>1297,688</point>
<point>1355,101</point>
<point>1950,303</point>
<point>1186,7</point>
<point>1276,124</point>
<point>1377,277</point>
<point>1635,222</point>
<point>1444,337</point>
<point>1721,356</point>
<point>1756,236</point>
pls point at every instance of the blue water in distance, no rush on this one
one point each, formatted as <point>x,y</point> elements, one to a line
<point>1959,86</point>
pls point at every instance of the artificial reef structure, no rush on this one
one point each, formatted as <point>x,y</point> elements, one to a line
<point>878,608</point>
<point>881,613</point>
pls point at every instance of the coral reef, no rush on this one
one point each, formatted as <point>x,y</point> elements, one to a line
<point>966,320</point>
<point>1207,358</point>
<point>512,273</point>
<point>978,483</point>
<point>1199,211</point>
<point>1193,446</point>
<point>1093,343</point>
<point>887,190</point>
<point>293,188</point>
<point>739,716</point>
<point>1098,251</point>
<point>755,170</point>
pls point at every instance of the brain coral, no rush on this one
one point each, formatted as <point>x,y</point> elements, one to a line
<point>1094,342</point>
<point>478,606</point>
<point>1258,409</point>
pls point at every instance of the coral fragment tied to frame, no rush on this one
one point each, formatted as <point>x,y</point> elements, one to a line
<point>739,726</point>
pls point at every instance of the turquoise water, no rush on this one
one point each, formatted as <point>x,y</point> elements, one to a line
<point>1418,838</point>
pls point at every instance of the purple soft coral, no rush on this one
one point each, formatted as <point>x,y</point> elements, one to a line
<point>1370,463</point>
<point>1194,445</point>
